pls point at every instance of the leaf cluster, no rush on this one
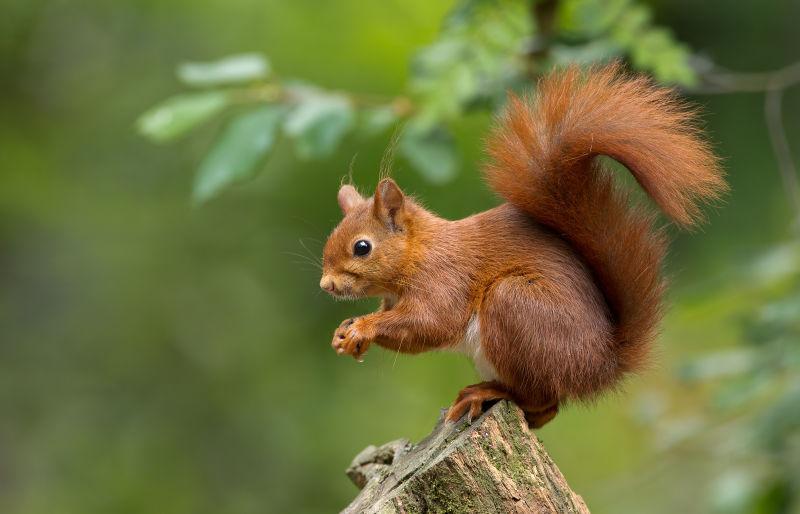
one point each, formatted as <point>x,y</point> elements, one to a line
<point>485,48</point>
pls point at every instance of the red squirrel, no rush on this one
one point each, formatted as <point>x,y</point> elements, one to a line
<point>557,293</point>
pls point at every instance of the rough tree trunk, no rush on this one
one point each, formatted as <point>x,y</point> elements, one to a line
<point>493,465</point>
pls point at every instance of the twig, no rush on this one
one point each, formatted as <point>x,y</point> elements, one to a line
<point>275,91</point>
<point>772,84</point>
<point>722,81</point>
<point>780,145</point>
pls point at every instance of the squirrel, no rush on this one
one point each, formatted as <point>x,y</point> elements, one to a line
<point>556,295</point>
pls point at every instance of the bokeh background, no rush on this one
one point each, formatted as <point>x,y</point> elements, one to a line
<point>159,356</point>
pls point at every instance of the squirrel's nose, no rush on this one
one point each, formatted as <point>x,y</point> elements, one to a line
<point>327,284</point>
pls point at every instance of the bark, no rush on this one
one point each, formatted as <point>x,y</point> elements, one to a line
<point>494,464</point>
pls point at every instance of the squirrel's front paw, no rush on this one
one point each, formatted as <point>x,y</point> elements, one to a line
<point>352,338</point>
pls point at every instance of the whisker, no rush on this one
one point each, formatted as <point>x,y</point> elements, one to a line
<point>397,354</point>
<point>296,263</point>
<point>312,239</point>
<point>301,256</point>
<point>312,254</point>
<point>305,260</point>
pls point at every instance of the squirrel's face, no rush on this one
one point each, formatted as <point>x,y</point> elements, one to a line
<point>367,250</point>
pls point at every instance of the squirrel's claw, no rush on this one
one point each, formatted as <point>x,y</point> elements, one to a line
<point>348,339</point>
<point>470,400</point>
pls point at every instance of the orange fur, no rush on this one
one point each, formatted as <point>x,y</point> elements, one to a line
<point>557,293</point>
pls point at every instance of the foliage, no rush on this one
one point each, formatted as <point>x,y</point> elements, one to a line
<point>749,422</point>
<point>607,28</point>
<point>484,49</point>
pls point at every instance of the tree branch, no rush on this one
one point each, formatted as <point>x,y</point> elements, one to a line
<point>773,113</point>
<point>717,80</point>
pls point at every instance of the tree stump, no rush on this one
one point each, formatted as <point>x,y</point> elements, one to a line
<point>495,464</point>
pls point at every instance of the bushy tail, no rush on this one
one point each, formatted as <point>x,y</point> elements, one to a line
<point>543,153</point>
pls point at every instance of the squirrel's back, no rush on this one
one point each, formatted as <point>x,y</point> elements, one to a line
<point>544,161</point>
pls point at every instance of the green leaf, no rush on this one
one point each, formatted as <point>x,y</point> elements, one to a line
<point>177,115</point>
<point>588,18</point>
<point>719,364</point>
<point>475,57</point>
<point>377,119</point>
<point>776,266</point>
<point>733,490</point>
<point>739,392</point>
<point>319,123</point>
<point>631,24</point>
<point>246,140</point>
<point>781,419</point>
<point>598,50</point>
<point>604,28</point>
<point>656,50</point>
<point>431,152</point>
<point>230,70</point>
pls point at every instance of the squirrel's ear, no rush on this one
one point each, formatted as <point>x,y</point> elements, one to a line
<point>389,202</point>
<point>348,198</point>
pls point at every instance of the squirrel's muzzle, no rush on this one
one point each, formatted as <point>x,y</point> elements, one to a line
<point>327,284</point>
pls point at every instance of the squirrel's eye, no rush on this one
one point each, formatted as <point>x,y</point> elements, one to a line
<point>362,247</point>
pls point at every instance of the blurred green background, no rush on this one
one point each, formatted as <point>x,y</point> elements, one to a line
<point>156,356</point>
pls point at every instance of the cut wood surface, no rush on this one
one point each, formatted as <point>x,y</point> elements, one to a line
<point>494,464</point>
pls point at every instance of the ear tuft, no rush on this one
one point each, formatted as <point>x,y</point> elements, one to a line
<point>389,203</point>
<point>348,198</point>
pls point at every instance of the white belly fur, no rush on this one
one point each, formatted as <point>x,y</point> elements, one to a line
<point>471,347</point>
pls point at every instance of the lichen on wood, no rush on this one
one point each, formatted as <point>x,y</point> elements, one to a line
<point>494,464</point>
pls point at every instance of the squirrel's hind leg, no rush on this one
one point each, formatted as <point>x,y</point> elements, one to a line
<point>548,340</point>
<point>470,400</point>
